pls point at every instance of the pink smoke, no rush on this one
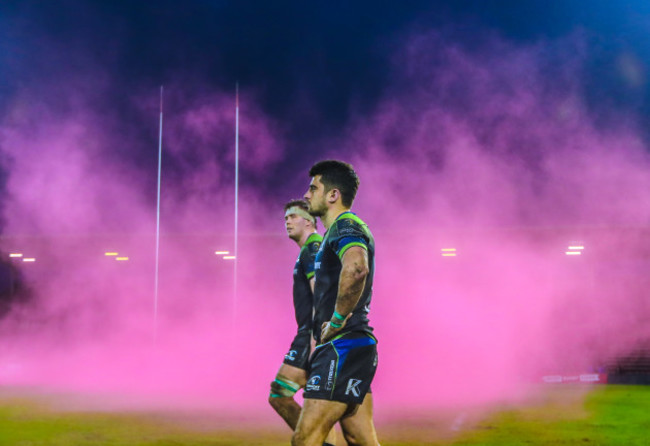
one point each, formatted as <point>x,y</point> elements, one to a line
<point>92,327</point>
<point>481,151</point>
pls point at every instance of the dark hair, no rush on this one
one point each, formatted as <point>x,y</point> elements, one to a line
<point>302,204</point>
<point>337,175</point>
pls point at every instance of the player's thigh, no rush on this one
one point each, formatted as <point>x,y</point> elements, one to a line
<point>295,374</point>
<point>362,413</point>
<point>359,428</point>
<point>318,417</point>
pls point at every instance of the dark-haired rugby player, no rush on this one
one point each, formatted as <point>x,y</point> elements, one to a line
<point>345,359</point>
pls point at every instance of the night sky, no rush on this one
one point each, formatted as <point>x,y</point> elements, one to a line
<point>309,66</point>
<point>335,51</point>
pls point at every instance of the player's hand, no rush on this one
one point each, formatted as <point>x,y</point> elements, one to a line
<point>328,331</point>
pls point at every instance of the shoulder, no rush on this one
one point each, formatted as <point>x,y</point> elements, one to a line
<point>348,224</point>
<point>311,246</point>
<point>348,231</point>
<point>314,238</point>
<point>313,242</point>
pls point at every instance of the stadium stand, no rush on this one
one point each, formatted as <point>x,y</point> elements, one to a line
<point>633,368</point>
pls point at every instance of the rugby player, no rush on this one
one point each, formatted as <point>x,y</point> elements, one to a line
<point>344,361</point>
<point>292,376</point>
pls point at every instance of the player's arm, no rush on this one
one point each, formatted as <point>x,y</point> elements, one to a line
<point>354,270</point>
<point>352,280</point>
<point>312,283</point>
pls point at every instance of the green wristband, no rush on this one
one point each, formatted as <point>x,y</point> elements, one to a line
<point>335,325</point>
<point>338,316</point>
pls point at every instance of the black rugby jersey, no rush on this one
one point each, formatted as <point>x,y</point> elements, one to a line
<point>346,231</point>
<point>303,271</point>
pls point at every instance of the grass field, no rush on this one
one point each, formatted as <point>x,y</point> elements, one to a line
<point>564,415</point>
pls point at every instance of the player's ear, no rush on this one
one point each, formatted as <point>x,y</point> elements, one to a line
<point>334,194</point>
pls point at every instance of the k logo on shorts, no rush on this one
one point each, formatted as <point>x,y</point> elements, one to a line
<point>353,387</point>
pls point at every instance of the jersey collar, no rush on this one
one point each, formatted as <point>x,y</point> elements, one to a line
<point>342,214</point>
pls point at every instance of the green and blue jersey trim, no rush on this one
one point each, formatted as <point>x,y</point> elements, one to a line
<point>352,216</point>
<point>314,237</point>
<point>353,241</point>
<point>350,245</point>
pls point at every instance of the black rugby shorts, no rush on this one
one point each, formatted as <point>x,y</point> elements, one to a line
<point>298,354</point>
<point>342,369</point>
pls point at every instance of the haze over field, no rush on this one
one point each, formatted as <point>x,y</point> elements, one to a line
<point>491,147</point>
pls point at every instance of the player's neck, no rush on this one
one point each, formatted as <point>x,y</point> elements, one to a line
<point>303,238</point>
<point>332,214</point>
